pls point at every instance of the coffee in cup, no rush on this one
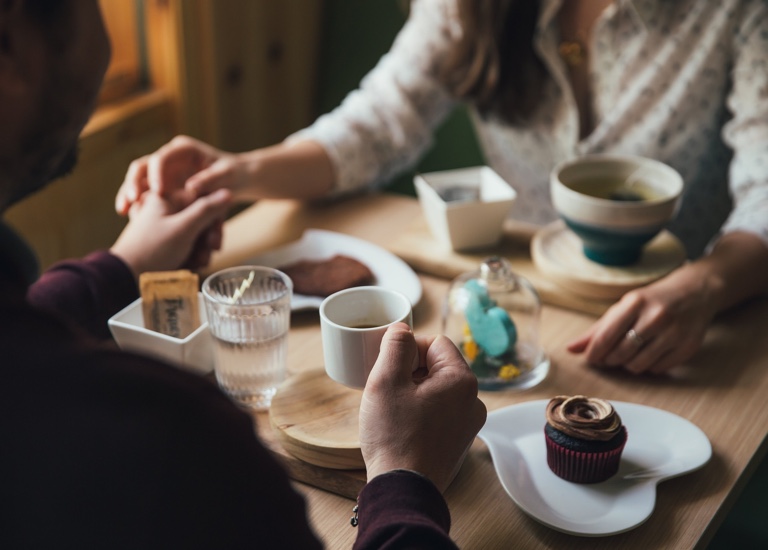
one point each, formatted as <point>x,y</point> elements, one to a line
<point>352,324</point>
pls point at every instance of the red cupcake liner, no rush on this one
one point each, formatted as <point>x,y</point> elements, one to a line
<point>581,466</point>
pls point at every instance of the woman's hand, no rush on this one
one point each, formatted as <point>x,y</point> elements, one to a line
<point>420,409</point>
<point>300,170</point>
<point>183,163</point>
<point>166,233</point>
<point>655,328</point>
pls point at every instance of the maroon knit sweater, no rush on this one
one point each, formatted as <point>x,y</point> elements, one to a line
<point>104,449</point>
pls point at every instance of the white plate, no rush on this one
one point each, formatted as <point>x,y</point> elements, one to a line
<point>316,244</point>
<point>660,445</point>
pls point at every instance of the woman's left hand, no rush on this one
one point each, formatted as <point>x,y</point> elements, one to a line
<point>662,325</point>
<point>654,328</point>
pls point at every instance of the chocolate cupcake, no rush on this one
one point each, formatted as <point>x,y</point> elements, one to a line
<point>585,438</point>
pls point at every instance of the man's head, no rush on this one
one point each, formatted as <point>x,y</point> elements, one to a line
<point>53,55</point>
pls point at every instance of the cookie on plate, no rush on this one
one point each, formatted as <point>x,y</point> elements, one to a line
<point>324,277</point>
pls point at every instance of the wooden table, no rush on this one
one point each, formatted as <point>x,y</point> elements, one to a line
<point>722,390</point>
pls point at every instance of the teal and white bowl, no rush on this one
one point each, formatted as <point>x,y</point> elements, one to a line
<point>615,204</point>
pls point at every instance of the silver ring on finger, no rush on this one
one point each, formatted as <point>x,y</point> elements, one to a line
<point>635,338</point>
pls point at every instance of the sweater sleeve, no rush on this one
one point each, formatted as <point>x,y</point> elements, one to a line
<point>87,292</point>
<point>385,125</point>
<point>402,509</point>
<point>747,131</point>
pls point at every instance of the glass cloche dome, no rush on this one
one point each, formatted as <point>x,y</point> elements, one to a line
<point>492,315</point>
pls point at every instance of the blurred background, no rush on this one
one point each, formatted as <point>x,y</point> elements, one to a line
<point>242,74</point>
<point>238,74</point>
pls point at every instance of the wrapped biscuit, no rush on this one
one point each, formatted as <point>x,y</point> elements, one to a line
<point>169,302</point>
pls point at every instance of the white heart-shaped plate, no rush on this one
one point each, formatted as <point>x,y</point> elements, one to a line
<point>660,445</point>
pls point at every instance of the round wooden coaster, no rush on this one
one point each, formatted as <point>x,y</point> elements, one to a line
<point>316,420</point>
<point>557,252</point>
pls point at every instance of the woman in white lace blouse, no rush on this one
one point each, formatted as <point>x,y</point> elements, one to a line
<point>683,82</point>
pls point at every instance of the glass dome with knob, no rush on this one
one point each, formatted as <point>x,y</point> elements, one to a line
<point>492,315</point>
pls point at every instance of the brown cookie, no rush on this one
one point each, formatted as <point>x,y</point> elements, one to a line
<point>324,277</point>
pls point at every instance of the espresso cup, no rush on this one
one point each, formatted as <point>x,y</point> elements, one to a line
<point>352,324</point>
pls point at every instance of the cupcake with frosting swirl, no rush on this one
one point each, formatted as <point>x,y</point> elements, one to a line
<point>585,438</point>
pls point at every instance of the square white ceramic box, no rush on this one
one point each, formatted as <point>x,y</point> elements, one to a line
<point>465,209</point>
<point>193,353</point>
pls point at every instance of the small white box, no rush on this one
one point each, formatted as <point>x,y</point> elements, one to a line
<point>193,353</point>
<point>465,208</point>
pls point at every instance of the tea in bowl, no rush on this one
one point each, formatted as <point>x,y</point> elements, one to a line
<point>615,204</point>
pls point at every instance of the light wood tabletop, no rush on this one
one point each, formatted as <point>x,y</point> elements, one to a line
<point>721,390</point>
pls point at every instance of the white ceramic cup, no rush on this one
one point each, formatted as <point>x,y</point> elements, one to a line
<point>352,323</point>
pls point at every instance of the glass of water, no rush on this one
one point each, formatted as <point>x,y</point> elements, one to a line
<point>249,314</point>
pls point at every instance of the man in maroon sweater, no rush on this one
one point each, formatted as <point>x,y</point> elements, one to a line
<point>105,449</point>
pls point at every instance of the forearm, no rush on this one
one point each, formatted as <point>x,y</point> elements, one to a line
<point>299,170</point>
<point>734,271</point>
<point>87,292</point>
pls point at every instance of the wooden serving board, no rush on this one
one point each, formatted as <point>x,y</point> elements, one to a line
<point>315,421</point>
<point>557,252</point>
<point>347,483</point>
<point>420,250</point>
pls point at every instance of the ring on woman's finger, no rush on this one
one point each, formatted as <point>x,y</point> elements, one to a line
<point>635,338</point>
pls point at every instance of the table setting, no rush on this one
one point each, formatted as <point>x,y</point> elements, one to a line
<point>682,464</point>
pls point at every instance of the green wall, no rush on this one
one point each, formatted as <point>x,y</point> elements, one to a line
<point>356,34</point>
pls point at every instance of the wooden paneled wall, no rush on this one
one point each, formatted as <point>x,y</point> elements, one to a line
<point>238,74</point>
<point>260,69</point>
<point>242,72</point>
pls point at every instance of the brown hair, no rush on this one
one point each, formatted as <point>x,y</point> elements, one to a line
<point>493,64</point>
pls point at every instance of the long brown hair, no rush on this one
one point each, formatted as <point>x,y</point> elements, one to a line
<point>493,64</point>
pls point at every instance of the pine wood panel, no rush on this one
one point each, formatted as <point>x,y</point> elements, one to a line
<point>261,69</point>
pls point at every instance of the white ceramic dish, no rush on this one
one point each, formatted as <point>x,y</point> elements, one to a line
<point>629,216</point>
<point>661,445</point>
<point>192,353</point>
<point>474,221</point>
<point>614,232</point>
<point>316,244</point>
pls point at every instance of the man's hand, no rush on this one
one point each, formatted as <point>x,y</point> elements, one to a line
<point>174,232</point>
<point>420,409</point>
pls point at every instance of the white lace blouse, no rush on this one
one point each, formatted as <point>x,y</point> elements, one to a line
<point>684,82</point>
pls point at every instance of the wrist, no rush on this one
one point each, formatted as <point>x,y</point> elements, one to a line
<point>296,170</point>
<point>125,256</point>
<point>734,269</point>
<point>701,280</point>
<point>252,167</point>
<point>378,473</point>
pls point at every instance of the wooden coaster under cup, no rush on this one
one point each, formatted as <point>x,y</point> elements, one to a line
<point>316,420</point>
<point>557,252</point>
